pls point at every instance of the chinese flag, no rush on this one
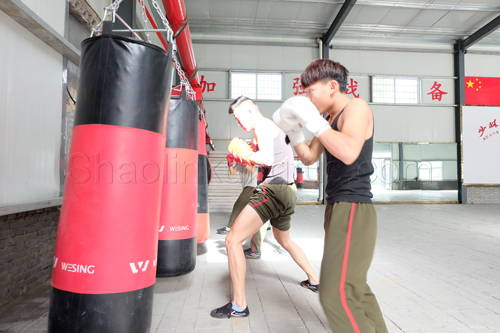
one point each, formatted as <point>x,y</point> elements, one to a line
<point>482,90</point>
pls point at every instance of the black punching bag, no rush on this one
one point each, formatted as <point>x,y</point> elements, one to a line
<point>203,224</point>
<point>177,236</point>
<point>105,256</point>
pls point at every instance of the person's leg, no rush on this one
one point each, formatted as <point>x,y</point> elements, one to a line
<point>247,223</point>
<point>240,204</point>
<point>257,238</point>
<point>350,233</point>
<point>283,238</point>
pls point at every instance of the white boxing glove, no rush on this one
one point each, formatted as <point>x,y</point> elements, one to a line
<point>286,123</point>
<point>296,135</point>
<point>301,109</point>
<point>291,126</point>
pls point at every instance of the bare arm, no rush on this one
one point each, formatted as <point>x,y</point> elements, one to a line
<point>308,154</point>
<point>251,168</point>
<point>265,134</point>
<point>357,126</point>
<point>232,170</point>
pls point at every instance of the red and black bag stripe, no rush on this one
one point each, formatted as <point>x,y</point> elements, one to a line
<point>177,232</point>
<point>105,256</point>
<point>203,223</point>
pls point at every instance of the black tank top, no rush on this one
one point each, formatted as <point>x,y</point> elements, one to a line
<point>349,183</point>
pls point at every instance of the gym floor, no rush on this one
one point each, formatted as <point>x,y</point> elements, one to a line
<point>436,269</point>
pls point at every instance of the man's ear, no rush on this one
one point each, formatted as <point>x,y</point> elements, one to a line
<point>334,86</point>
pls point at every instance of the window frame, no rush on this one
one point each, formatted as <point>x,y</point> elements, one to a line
<point>394,78</point>
<point>282,90</point>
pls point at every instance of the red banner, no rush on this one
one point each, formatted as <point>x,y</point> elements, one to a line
<point>482,90</point>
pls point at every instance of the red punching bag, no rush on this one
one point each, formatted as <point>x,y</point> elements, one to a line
<point>177,233</point>
<point>105,256</point>
<point>203,216</point>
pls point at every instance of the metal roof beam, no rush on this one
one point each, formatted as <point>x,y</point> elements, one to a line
<point>337,22</point>
<point>481,33</point>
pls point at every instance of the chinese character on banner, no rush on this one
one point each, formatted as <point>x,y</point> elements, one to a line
<point>351,88</point>
<point>493,124</point>
<point>209,86</point>
<point>298,88</point>
<point>436,93</point>
<point>481,130</point>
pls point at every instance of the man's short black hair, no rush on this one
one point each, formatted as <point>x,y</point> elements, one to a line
<point>237,102</point>
<point>324,70</point>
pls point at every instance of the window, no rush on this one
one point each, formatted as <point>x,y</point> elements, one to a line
<point>395,90</point>
<point>430,171</point>
<point>257,85</point>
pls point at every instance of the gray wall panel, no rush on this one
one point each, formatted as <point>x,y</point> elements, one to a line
<point>30,115</point>
<point>51,11</point>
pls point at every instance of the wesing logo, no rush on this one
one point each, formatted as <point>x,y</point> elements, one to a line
<point>135,269</point>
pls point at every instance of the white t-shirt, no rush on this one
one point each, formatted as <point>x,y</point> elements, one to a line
<point>247,178</point>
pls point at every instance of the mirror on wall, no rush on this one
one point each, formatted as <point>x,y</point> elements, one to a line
<point>414,172</point>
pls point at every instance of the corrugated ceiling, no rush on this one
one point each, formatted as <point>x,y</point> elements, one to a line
<point>437,21</point>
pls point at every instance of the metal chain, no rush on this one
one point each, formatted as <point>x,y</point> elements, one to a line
<point>111,9</point>
<point>184,81</point>
<point>145,18</point>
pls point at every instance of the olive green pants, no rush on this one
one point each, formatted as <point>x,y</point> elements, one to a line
<point>241,202</point>
<point>348,302</point>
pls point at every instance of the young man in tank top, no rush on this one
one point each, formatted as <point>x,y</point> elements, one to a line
<point>346,137</point>
<point>274,200</point>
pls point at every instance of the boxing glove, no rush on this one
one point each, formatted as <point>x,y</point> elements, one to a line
<point>240,150</point>
<point>230,160</point>
<point>301,109</point>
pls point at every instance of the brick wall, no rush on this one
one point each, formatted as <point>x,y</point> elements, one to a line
<point>27,242</point>
<point>483,194</point>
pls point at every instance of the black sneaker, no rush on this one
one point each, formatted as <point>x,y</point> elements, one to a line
<point>251,255</point>
<point>308,285</point>
<point>227,311</point>
<point>223,230</point>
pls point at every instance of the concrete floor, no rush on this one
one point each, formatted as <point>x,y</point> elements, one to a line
<point>436,269</point>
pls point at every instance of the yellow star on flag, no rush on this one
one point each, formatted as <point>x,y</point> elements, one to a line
<point>479,83</point>
<point>470,84</point>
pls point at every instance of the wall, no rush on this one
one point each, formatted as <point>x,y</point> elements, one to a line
<point>30,114</point>
<point>487,66</point>
<point>27,243</point>
<point>432,121</point>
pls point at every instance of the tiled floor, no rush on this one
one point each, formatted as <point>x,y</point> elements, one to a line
<point>436,269</point>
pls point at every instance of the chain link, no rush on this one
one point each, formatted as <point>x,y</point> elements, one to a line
<point>184,81</point>
<point>145,18</point>
<point>111,9</point>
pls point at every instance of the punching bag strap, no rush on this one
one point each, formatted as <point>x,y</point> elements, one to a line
<point>107,27</point>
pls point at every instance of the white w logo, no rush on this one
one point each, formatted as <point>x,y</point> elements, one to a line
<point>135,270</point>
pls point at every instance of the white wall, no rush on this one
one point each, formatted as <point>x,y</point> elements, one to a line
<point>53,12</point>
<point>430,122</point>
<point>482,65</point>
<point>30,115</point>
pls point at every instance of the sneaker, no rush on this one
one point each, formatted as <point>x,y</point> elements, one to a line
<point>251,255</point>
<point>227,311</point>
<point>223,230</point>
<point>308,285</point>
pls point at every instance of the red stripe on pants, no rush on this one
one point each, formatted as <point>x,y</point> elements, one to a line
<point>344,273</point>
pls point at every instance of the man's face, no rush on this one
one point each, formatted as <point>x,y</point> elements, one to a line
<point>242,114</point>
<point>320,95</point>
